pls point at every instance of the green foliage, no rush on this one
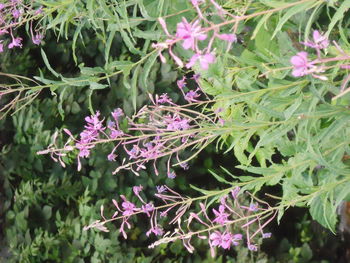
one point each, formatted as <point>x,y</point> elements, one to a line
<point>270,113</point>
<point>280,132</point>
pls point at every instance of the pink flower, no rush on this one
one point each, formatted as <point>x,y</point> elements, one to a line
<point>134,152</point>
<point>147,208</point>
<point>36,39</point>
<point>236,238</point>
<point>235,192</point>
<point>221,121</point>
<point>3,32</point>
<point>16,13</point>
<point>137,189</point>
<point>189,33</point>
<point>116,133</point>
<point>94,124</point>
<point>220,216</point>
<point>196,77</point>
<point>114,128</point>
<point>252,247</point>
<point>172,175</point>
<point>155,230</point>
<point>196,2</point>
<point>1,47</point>
<point>216,238</point>
<point>320,41</point>
<point>266,235</point>
<point>253,207</point>
<point>117,113</point>
<point>184,166</point>
<point>181,83</point>
<point>224,240</point>
<point>175,123</point>
<point>16,42</point>
<point>300,64</point>
<point>111,157</point>
<point>192,96</point>
<point>161,189</point>
<point>228,37</point>
<point>128,207</point>
<point>164,98</point>
<point>204,60</point>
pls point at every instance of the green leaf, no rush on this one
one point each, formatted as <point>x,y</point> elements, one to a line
<point>288,113</point>
<point>134,86</point>
<point>311,21</point>
<point>47,64</point>
<point>154,35</point>
<point>339,15</point>
<point>265,44</point>
<point>147,68</point>
<point>323,211</point>
<point>205,192</point>
<point>219,178</point>
<point>95,85</point>
<point>262,21</point>
<point>208,88</point>
<point>91,71</point>
<point>47,211</point>
<point>124,24</point>
<point>273,3</point>
<point>291,12</point>
<point>75,38</point>
<point>108,45</point>
<point>342,193</point>
<point>125,66</point>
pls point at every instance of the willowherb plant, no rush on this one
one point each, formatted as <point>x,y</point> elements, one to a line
<point>11,15</point>
<point>190,34</point>
<point>162,129</point>
<point>262,117</point>
<point>226,226</point>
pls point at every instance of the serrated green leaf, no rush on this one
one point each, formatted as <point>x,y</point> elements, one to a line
<point>323,211</point>
<point>342,193</point>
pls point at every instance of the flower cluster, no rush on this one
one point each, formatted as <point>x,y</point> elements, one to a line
<point>11,14</point>
<point>162,129</point>
<point>303,66</point>
<point>229,225</point>
<point>191,34</point>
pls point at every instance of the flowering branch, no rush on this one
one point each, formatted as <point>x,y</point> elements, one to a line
<point>190,34</point>
<point>218,225</point>
<point>302,66</point>
<point>163,129</point>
